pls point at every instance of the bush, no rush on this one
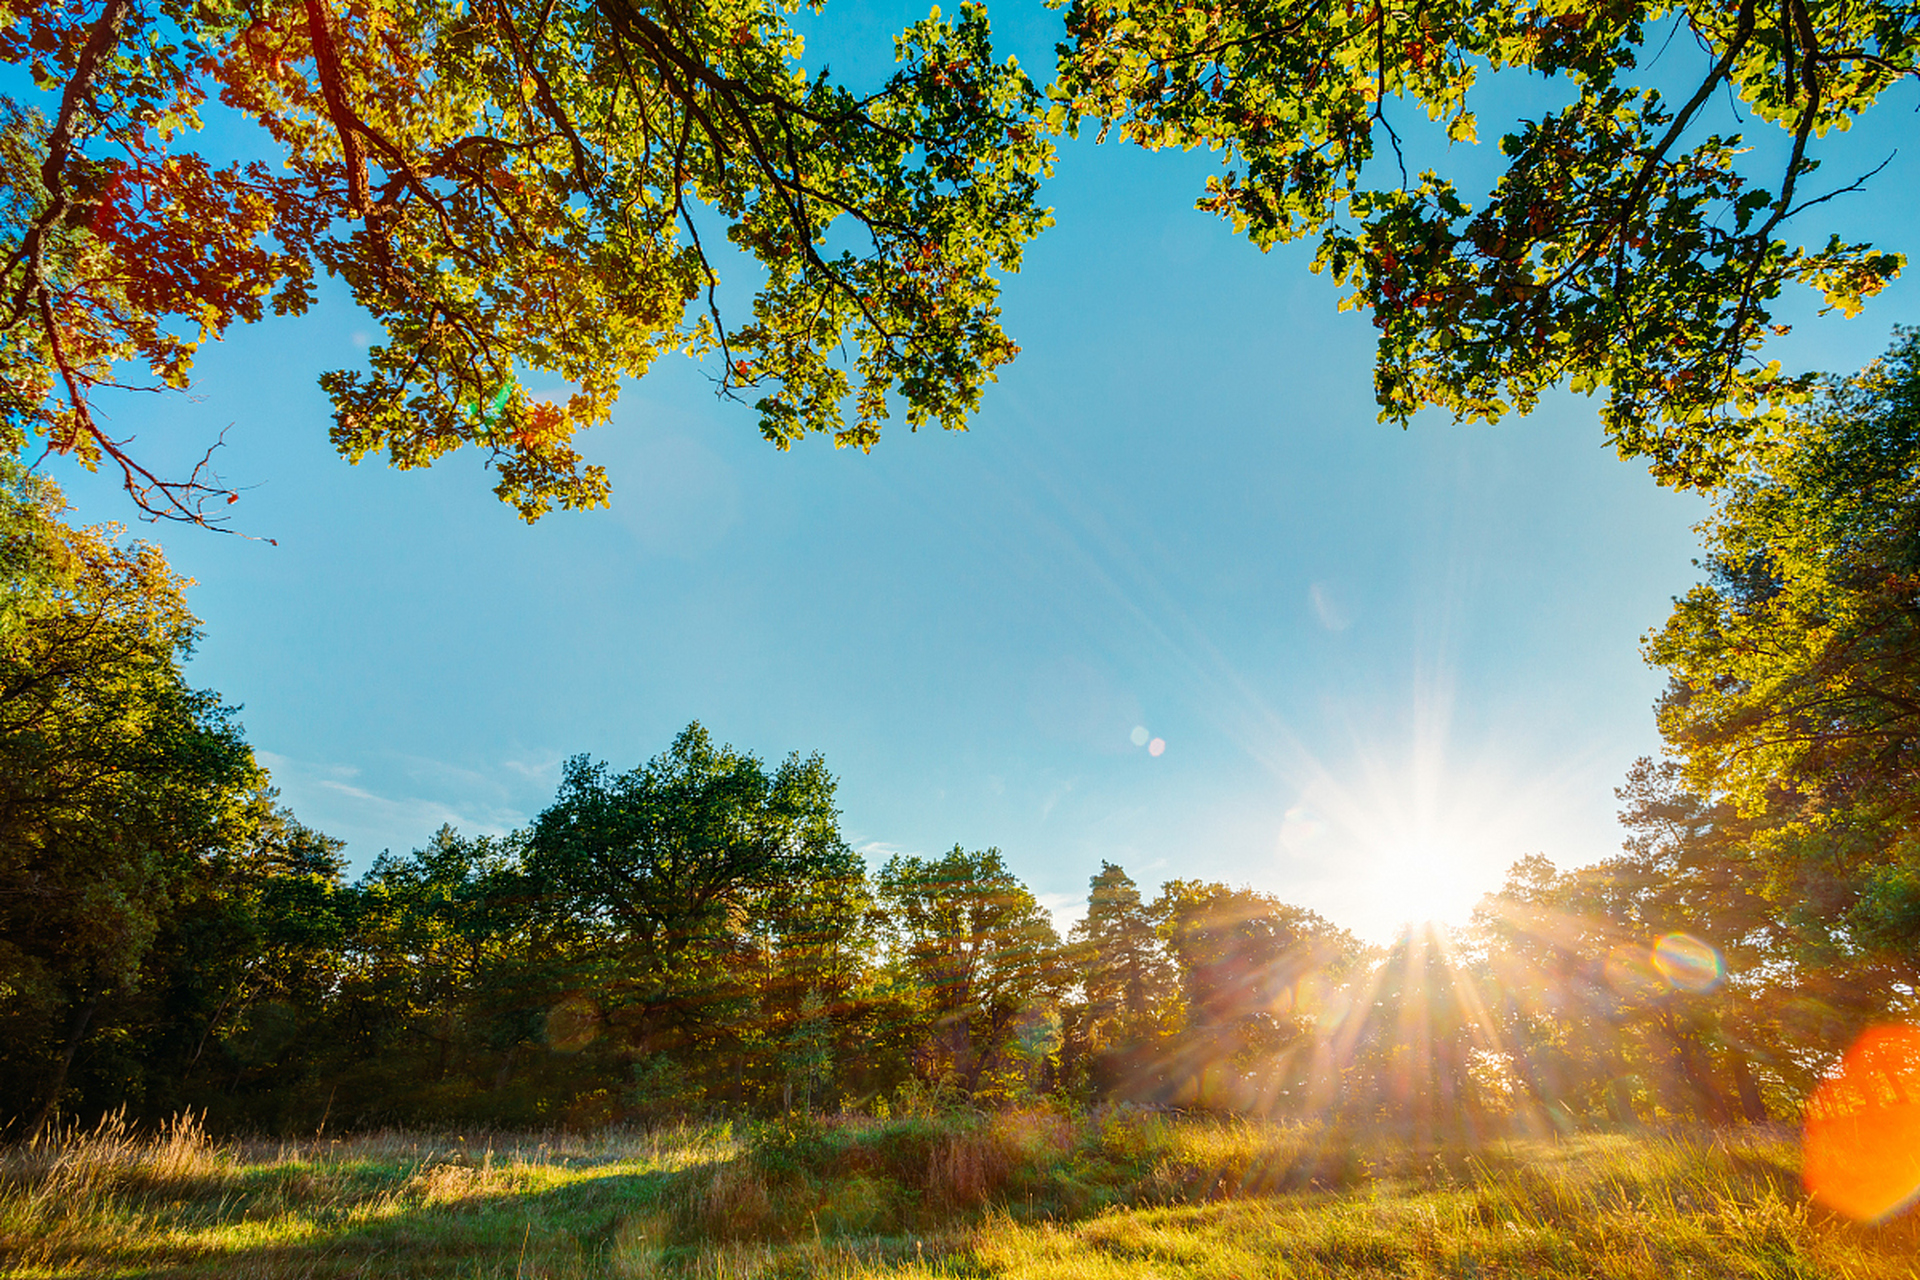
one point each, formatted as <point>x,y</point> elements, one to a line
<point>967,1169</point>
<point>735,1203</point>
<point>795,1147</point>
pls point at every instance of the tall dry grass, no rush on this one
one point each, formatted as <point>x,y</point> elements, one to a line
<point>111,1200</point>
<point>1033,1194</point>
<point>62,1172</point>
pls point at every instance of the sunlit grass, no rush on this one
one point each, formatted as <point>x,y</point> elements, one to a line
<point>108,1203</point>
<point>1024,1195</point>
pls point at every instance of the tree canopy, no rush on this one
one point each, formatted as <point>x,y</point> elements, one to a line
<point>668,884</point>
<point>1627,245</point>
<point>511,193</point>
<point>525,197</point>
<point>979,948</point>
<point>1796,665</point>
<point>118,782</point>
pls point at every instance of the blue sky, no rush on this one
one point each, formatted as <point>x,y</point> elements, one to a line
<point>1384,664</point>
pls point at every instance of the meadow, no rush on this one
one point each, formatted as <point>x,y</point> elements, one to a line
<point>1021,1194</point>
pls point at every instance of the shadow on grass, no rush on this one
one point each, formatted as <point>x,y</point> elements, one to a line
<point>413,1229</point>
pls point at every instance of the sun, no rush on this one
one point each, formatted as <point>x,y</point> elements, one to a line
<point>1398,839</point>
<point>1421,881</point>
<point>1411,825</point>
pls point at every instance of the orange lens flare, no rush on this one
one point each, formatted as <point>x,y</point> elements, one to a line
<point>1862,1146</point>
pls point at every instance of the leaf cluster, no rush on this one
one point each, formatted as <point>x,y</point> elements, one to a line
<point>517,197</point>
<point>1623,247</point>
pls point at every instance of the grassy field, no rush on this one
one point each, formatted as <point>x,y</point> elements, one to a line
<point>1022,1195</point>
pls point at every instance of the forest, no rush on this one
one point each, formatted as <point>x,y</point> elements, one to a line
<point>694,937</point>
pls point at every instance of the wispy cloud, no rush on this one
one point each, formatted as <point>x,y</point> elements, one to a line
<point>1328,611</point>
<point>1067,909</point>
<point>398,803</point>
<point>544,770</point>
<point>878,851</point>
<point>1054,797</point>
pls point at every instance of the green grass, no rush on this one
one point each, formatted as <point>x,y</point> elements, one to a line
<point>1021,1195</point>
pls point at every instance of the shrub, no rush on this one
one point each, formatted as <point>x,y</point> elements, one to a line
<point>795,1147</point>
<point>734,1203</point>
<point>968,1168</point>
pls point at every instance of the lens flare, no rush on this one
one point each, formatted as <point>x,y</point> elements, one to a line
<point>1155,747</point>
<point>572,1024</point>
<point>1139,735</point>
<point>1861,1150</point>
<point>1630,973</point>
<point>1688,963</point>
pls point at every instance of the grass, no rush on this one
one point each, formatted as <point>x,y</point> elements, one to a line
<point>1021,1195</point>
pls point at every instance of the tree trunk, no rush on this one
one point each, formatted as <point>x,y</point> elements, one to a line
<point>1620,1102</point>
<point>82,1018</point>
<point>1689,1064</point>
<point>1620,1108</point>
<point>1752,1105</point>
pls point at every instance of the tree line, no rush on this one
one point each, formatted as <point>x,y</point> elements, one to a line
<point>695,935</point>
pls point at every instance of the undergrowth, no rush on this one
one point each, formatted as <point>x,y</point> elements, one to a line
<point>1033,1193</point>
